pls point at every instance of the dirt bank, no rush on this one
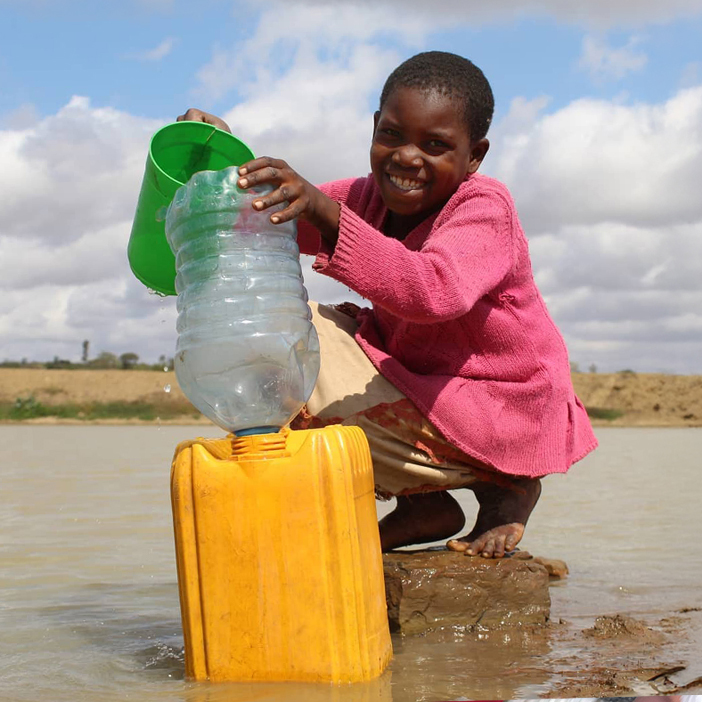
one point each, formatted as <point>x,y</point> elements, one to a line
<point>628,399</point>
<point>55,388</point>
<point>643,399</point>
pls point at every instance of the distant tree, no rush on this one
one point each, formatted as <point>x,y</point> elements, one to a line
<point>59,363</point>
<point>574,367</point>
<point>128,360</point>
<point>105,359</point>
<point>86,346</point>
<point>592,368</point>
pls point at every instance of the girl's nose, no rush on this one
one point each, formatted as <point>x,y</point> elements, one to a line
<point>408,156</point>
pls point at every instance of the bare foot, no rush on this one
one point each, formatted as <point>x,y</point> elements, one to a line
<point>419,519</point>
<point>502,516</point>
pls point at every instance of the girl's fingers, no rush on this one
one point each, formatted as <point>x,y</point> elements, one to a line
<point>195,115</point>
<point>264,167</point>
<point>292,211</point>
<point>282,194</point>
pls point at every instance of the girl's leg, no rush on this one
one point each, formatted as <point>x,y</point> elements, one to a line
<point>348,382</point>
<point>502,516</point>
<point>411,459</point>
<point>416,465</point>
<point>420,519</point>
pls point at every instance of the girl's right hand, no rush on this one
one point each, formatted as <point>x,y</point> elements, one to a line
<point>302,199</point>
<point>195,115</point>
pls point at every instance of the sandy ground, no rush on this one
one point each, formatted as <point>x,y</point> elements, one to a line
<point>645,399</point>
<point>54,387</point>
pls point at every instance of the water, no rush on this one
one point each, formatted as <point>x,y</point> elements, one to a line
<point>88,591</point>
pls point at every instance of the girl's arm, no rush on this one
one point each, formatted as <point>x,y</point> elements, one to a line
<point>468,254</point>
<point>470,251</point>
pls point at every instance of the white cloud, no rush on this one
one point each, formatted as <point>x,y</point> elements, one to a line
<point>596,13</point>
<point>158,53</point>
<point>602,61</point>
<point>607,194</point>
<point>325,35</point>
<point>71,173</point>
<point>595,161</point>
<point>70,183</point>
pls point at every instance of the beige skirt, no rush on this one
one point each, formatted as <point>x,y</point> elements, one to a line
<point>409,454</point>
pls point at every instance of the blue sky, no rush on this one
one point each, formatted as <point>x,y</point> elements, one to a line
<point>142,57</point>
<point>597,134</point>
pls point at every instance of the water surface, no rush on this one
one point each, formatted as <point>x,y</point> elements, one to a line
<point>89,598</point>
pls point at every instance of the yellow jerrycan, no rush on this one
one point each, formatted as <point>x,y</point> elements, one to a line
<point>280,571</point>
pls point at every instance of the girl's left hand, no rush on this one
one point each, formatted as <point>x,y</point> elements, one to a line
<point>304,200</point>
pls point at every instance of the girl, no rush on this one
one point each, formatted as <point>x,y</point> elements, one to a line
<point>457,374</point>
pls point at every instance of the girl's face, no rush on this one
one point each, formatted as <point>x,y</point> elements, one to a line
<point>421,151</point>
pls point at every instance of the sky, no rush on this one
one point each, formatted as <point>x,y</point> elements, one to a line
<point>597,134</point>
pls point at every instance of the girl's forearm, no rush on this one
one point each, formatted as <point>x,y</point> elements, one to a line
<point>326,219</point>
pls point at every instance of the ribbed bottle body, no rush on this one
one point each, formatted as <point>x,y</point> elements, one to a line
<point>247,354</point>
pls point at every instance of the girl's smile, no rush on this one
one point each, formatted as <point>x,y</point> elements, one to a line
<point>405,184</point>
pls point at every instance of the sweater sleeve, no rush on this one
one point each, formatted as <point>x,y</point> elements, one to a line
<point>308,237</point>
<point>468,254</point>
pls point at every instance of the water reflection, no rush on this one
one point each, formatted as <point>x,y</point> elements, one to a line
<point>375,691</point>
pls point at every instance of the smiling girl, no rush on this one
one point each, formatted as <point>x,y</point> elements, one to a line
<point>456,373</point>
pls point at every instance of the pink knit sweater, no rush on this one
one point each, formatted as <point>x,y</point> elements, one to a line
<point>458,324</point>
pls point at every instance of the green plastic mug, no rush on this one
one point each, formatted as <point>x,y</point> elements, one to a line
<point>176,153</point>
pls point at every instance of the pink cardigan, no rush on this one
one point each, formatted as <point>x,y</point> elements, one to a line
<point>458,324</point>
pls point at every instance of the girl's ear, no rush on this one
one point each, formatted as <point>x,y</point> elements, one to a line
<point>477,153</point>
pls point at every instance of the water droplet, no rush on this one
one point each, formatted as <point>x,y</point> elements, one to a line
<point>166,369</point>
<point>167,387</point>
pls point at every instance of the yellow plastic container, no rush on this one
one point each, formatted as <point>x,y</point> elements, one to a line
<point>278,552</point>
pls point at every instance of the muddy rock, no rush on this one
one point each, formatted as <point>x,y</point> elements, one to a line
<point>428,590</point>
<point>620,625</point>
<point>556,568</point>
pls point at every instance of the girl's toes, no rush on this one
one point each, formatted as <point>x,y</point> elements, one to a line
<point>488,548</point>
<point>456,545</point>
<point>511,542</point>
<point>499,551</point>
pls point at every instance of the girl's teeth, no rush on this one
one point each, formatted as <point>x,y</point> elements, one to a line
<point>406,183</point>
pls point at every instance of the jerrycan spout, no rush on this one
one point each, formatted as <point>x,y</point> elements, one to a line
<point>254,447</point>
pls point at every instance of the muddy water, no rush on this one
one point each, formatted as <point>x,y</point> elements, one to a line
<point>88,592</point>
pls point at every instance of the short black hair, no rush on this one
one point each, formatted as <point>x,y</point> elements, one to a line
<point>450,75</point>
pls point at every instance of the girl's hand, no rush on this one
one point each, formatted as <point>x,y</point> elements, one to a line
<point>195,115</point>
<point>304,200</point>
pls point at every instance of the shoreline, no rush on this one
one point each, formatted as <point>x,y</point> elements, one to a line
<point>145,397</point>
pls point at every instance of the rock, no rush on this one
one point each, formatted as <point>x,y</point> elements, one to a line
<point>431,589</point>
<point>555,567</point>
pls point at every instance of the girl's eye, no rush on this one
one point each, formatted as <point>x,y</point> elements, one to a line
<point>438,144</point>
<point>390,132</point>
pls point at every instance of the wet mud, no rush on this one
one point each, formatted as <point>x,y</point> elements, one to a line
<point>446,609</point>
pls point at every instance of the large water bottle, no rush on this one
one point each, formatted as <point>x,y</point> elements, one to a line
<point>247,354</point>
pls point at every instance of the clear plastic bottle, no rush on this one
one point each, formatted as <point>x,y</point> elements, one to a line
<point>247,355</point>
